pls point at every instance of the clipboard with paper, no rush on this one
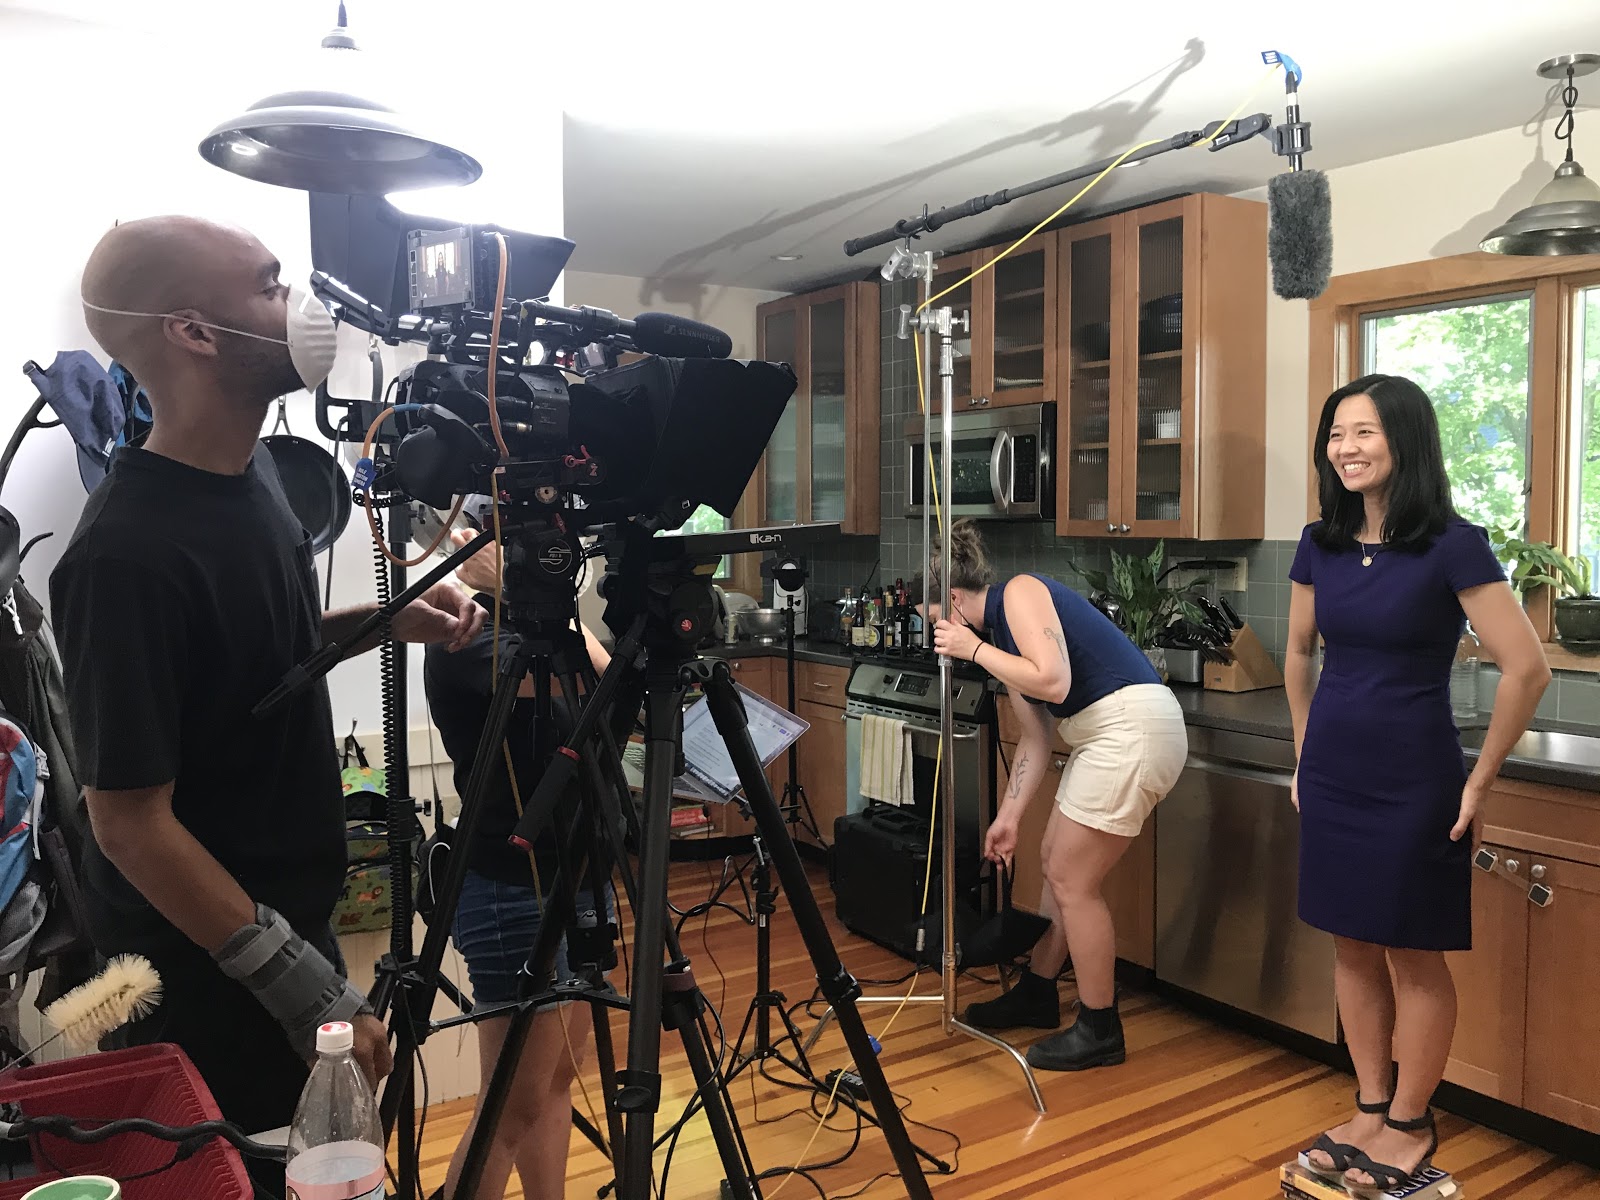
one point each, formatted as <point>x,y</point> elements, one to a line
<point>708,771</point>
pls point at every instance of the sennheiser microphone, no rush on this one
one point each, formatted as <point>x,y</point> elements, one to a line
<point>1299,205</point>
<point>679,337</point>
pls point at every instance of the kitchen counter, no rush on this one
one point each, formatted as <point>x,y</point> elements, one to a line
<point>1553,753</point>
<point>813,650</point>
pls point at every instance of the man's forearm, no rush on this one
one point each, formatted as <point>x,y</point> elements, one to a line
<point>340,624</point>
<point>176,874</point>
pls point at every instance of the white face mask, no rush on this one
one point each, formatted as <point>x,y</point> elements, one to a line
<point>311,335</point>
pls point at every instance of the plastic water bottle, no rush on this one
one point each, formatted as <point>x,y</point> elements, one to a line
<point>336,1140</point>
<point>1464,678</point>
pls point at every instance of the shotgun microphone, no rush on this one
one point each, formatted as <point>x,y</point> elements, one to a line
<point>1299,205</point>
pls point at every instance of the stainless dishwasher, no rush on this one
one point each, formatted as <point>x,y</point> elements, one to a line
<point>1227,870</point>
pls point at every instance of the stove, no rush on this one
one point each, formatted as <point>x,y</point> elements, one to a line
<point>907,686</point>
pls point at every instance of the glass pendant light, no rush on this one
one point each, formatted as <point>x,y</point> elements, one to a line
<point>321,140</point>
<point>1564,217</point>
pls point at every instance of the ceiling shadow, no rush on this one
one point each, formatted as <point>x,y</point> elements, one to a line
<point>1114,122</point>
<point>1534,176</point>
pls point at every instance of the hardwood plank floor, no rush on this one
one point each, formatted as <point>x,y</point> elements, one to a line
<point>1198,1112</point>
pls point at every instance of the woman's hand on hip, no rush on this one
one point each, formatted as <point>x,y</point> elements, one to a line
<point>1000,845</point>
<point>1294,789</point>
<point>955,641</point>
<point>1470,818</point>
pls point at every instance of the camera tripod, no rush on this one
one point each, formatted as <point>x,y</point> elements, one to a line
<point>660,601</point>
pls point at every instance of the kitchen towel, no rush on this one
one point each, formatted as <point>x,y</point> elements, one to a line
<point>885,760</point>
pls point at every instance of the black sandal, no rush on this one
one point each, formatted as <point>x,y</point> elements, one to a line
<point>1341,1152</point>
<point>1386,1177</point>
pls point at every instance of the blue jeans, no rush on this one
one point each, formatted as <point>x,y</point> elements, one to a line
<point>495,929</point>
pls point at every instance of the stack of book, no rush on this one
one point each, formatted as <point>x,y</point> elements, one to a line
<point>1300,1182</point>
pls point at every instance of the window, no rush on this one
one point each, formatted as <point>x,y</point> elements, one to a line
<point>1508,347</point>
<point>1583,532</point>
<point>708,520</point>
<point>1473,360</point>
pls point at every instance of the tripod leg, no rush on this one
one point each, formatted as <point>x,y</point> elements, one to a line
<point>640,1093</point>
<point>680,1010</point>
<point>838,987</point>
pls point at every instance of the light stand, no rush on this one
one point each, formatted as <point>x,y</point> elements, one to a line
<point>942,323</point>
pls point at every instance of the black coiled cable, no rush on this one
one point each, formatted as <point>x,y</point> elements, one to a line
<point>399,816</point>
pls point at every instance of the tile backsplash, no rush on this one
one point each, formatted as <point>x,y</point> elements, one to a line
<point>1015,546</point>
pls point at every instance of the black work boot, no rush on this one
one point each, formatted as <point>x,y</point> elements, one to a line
<point>1093,1040</point>
<point>1032,1002</point>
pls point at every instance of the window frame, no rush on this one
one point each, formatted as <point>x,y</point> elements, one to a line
<point>1335,320</point>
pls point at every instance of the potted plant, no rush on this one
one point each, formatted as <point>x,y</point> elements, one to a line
<point>1539,564</point>
<point>1133,595</point>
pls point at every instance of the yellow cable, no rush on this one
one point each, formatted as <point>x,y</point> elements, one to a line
<point>938,511</point>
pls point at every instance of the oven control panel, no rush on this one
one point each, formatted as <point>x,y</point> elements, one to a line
<point>918,690</point>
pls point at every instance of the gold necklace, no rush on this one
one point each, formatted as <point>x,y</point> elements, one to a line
<point>1366,559</point>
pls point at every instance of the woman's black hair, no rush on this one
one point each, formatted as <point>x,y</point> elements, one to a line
<point>1419,490</point>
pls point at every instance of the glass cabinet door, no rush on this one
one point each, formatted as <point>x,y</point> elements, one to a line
<point>1089,450</point>
<point>1021,356</point>
<point>1156,413</point>
<point>829,367</point>
<point>961,302</point>
<point>780,343</point>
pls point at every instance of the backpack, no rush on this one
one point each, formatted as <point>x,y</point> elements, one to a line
<point>22,771</point>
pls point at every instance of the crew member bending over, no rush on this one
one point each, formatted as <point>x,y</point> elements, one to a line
<point>1061,658</point>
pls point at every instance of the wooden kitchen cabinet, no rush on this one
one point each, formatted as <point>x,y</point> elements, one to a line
<point>1527,1027</point>
<point>1487,1051</point>
<point>1561,1078</point>
<point>1130,887</point>
<point>1008,353</point>
<point>822,463</point>
<point>821,767</point>
<point>1161,372</point>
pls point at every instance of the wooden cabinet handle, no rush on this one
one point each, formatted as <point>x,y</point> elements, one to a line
<point>817,683</point>
<point>1536,873</point>
<point>1512,866</point>
<point>1058,764</point>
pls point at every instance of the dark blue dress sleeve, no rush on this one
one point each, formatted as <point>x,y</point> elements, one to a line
<point>1469,560</point>
<point>1305,555</point>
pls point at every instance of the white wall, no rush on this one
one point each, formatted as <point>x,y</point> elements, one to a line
<point>731,309</point>
<point>115,120</point>
<point>1430,203</point>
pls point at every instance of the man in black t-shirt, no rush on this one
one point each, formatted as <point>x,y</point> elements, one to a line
<point>185,594</point>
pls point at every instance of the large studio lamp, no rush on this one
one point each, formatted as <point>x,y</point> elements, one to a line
<point>1564,217</point>
<point>318,140</point>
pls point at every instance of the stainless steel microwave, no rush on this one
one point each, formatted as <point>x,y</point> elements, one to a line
<point>1002,462</point>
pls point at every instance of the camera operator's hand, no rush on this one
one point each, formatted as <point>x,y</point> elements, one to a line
<point>477,574</point>
<point>443,613</point>
<point>372,1049</point>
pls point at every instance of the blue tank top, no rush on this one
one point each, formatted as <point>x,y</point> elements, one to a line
<point>1102,658</point>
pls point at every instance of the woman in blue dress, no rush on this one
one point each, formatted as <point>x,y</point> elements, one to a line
<point>1389,815</point>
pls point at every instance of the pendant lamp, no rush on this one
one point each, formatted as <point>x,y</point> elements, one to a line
<point>1564,217</point>
<point>318,140</point>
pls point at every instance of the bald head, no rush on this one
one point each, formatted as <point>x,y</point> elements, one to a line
<point>197,275</point>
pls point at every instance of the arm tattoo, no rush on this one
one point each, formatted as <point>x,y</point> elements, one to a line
<point>1061,645</point>
<point>1018,775</point>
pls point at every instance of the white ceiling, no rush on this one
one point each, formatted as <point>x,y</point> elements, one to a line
<point>704,139</point>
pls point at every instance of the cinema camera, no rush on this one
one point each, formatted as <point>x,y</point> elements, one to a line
<point>645,441</point>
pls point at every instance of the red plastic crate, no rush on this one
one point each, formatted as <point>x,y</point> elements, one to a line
<point>156,1082</point>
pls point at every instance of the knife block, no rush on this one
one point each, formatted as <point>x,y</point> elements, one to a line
<point>1252,667</point>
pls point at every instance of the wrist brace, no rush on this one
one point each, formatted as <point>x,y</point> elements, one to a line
<point>293,982</point>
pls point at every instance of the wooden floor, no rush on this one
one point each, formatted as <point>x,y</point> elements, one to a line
<point>1198,1112</point>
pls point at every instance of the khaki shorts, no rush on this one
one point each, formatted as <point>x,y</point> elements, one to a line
<point>1128,749</point>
